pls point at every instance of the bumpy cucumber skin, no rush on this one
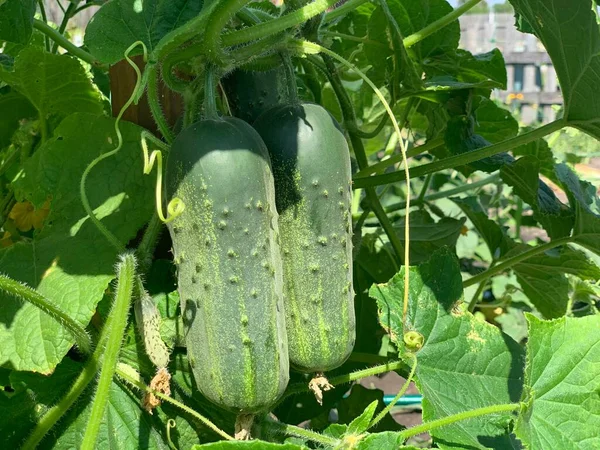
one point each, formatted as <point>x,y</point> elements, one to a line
<point>311,165</point>
<point>250,93</point>
<point>226,247</point>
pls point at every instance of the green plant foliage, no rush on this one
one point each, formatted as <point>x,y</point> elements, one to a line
<point>16,20</point>
<point>446,379</point>
<point>562,388</point>
<point>498,328</point>
<point>120,23</point>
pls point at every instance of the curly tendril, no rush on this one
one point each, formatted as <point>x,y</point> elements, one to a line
<point>84,198</point>
<point>176,206</point>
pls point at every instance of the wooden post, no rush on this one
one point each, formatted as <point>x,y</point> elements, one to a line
<point>122,82</point>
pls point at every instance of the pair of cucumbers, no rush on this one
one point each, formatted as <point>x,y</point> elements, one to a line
<point>263,249</point>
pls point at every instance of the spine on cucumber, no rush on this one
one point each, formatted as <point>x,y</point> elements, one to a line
<point>311,165</point>
<point>226,249</point>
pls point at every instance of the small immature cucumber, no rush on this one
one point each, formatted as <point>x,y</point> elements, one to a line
<point>311,164</point>
<point>250,93</point>
<point>229,264</point>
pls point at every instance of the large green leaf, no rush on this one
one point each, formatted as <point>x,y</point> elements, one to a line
<point>460,355</point>
<point>54,84</point>
<point>543,277</point>
<point>523,176</point>
<point>463,70</point>
<point>582,196</point>
<point>120,23</point>
<point>124,425</point>
<point>562,385</point>
<point>16,20</point>
<point>249,445</point>
<point>569,31</point>
<point>69,261</point>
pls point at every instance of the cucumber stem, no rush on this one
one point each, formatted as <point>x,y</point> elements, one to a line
<point>210,92</point>
<point>290,76</point>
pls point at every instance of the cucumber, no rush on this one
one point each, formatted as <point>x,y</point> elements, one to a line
<point>226,249</point>
<point>250,93</point>
<point>311,165</point>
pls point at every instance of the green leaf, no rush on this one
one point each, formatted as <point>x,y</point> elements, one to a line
<point>490,231</point>
<point>569,31</point>
<point>493,123</point>
<point>13,108</point>
<point>249,445</point>
<point>460,356</point>
<point>463,70</point>
<point>120,23</point>
<point>427,236</point>
<point>461,137</point>
<point>69,261</point>
<point>543,277</point>
<point>33,395</point>
<point>541,151</point>
<point>16,20</point>
<point>523,176</point>
<point>125,424</point>
<point>54,84</point>
<point>583,200</point>
<point>562,385</point>
<point>381,441</point>
<point>361,423</point>
<point>414,16</point>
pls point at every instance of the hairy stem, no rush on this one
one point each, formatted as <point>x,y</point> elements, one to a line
<point>122,303</point>
<point>400,393</point>
<point>154,103</point>
<point>342,10</point>
<point>432,28</point>
<point>53,415</point>
<point>146,248</point>
<point>460,160</point>
<point>65,21</point>
<point>429,426</point>
<point>65,43</point>
<point>218,19</point>
<point>291,430</point>
<point>129,375</point>
<point>508,263</point>
<point>280,24</point>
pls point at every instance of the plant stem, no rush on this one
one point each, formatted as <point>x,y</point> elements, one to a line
<point>433,27</point>
<point>88,373</point>
<point>65,21</point>
<point>400,393</point>
<point>65,43</point>
<point>124,372</point>
<point>475,299</point>
<point>426,427</point>
<point>146,248</point>
<point>217,21</point>
<point>30,295</point>
<point>445,194</point>
<point>297,388</point>
<point>291,430</point>
<point>210,92</point>
<point>342,10</point>
<point>154,103</point>
<point>378,167</point>
<point>508,263</point>
<point>275,26</point>
<point>462,159</point>
<point>45,20</point>
<point>122,303</point>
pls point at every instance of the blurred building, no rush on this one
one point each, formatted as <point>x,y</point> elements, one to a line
<point>532,86</point>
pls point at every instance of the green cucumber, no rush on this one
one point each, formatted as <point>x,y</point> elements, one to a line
<point>226,249</point>
<point>311,165</point>
<point>250,93</point>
